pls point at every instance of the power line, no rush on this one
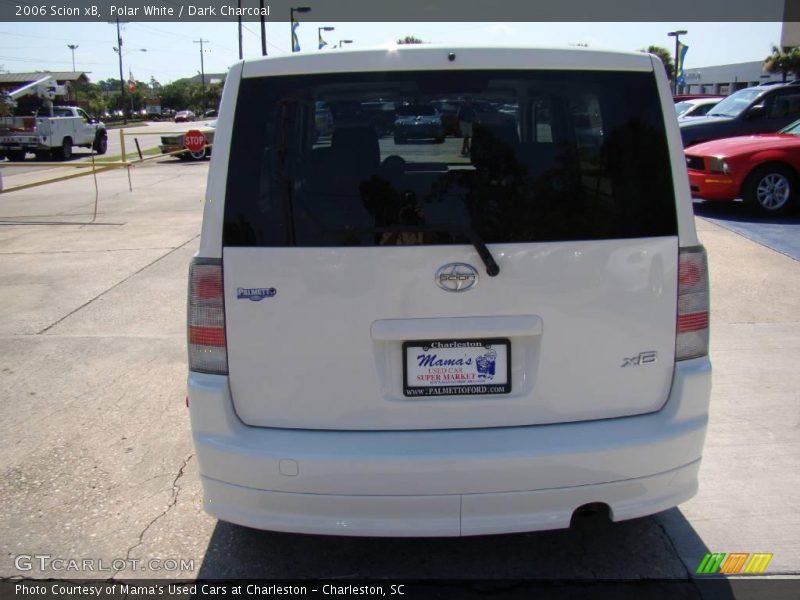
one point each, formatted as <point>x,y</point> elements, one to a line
<point>162,31</point>
<point>269,44</point>
<point>40,61</point>
<point>248,30</point>
<point>149,27</point>
<point>47,37</point>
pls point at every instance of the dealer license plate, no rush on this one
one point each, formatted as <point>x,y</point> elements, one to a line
<point>456,367</point>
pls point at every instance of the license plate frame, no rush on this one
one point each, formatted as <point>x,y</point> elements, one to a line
<point>492,377</point>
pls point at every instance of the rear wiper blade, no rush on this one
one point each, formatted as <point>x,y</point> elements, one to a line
<point>492,268</point>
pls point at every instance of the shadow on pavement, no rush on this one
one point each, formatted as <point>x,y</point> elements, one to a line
<point>622,553</point>
<point>781,234</point>
<point>739,212</point>
<point>174,161</point>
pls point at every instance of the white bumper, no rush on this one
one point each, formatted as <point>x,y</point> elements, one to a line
<point>447,482</point>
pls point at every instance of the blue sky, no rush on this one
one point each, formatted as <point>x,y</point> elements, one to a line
<point>171,53</point>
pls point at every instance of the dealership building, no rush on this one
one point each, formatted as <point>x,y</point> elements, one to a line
<point>726,79</point>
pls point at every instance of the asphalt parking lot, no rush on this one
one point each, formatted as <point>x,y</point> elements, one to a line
<point>96,454</point>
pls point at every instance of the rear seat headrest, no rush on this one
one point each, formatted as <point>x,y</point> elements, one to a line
<point>357,145</point>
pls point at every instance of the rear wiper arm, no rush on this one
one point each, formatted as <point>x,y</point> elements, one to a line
<point>492,268</point>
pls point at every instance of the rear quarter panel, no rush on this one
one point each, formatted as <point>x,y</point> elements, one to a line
<point>687,234</point>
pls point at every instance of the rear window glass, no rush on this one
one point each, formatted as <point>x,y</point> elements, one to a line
<point>335,160</point>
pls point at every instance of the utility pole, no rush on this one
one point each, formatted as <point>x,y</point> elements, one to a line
<point>201,41</point>
<point>121,82</point>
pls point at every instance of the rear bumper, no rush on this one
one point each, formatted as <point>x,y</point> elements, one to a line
<point>167,148</point>
<point>444,515</point>
<point>447,482</point>
<point>29,144</point>
<point>713,186</point>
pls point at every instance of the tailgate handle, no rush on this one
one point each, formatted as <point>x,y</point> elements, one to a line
<point>456,327</point>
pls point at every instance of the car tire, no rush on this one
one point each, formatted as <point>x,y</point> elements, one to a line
<point>772,189</point>
<point>16,155</point>
<point>100,145</point>
<point>199,155</point>
<point>65,151</point>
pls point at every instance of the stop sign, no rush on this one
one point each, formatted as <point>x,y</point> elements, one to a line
<point>194,140</point>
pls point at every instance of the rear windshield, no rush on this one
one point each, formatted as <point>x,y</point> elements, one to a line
<point>551,156</point>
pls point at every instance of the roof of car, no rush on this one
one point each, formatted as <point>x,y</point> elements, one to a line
<point>767,88</point>
<point>434,57</point>
<point>708,100</point>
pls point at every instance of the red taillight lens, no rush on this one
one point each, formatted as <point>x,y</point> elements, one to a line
<point>206,336</point>
<point>206,318</point>
<point>693,304</point>
<point>209,285</point>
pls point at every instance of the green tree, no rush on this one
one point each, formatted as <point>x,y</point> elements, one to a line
<point>784,61</point>
<point>91,98</point>
<point>109,85</point>
<point>410,39</point>
<point>214,95</point>
<point>176,95</point>
<point>666,59</point>
<point>183,94</point>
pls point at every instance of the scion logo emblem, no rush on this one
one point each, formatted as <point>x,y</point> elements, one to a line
<point>457,277</point>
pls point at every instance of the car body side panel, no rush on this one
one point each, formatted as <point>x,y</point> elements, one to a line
<point>213,211</point>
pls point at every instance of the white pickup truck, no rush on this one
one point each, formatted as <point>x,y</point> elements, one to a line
<point>51,136</point>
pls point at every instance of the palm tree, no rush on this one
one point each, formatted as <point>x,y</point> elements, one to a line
<point>665,57</point>
<point>784,61</point>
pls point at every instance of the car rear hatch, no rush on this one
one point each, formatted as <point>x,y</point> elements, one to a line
<point>358,286</point>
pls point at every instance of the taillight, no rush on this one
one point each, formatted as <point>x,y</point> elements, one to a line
<point>206,318</point>
<point>692,327</point>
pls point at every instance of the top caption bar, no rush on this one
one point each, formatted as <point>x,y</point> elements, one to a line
<point>408,10</point>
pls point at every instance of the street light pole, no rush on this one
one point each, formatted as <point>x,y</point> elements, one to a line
<point>292,10</point>
<point>344,42</point>
<point>239,4</point>
<point>677,35</point>
<point>73,47</point>
<point>263,29</point>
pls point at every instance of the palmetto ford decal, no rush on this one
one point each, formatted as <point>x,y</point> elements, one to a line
<point>255,294</point>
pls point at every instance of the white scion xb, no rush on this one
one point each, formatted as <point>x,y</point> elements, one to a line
<point>410,340</point>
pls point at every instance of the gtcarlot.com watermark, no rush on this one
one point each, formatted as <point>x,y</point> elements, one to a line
<point>46,562</point>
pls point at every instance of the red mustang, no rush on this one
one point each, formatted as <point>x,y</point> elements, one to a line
<point>762,169</point>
